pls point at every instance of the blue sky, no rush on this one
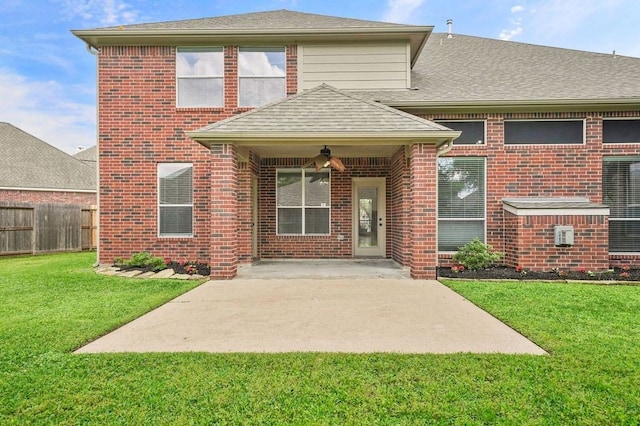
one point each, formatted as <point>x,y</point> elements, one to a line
<point>47,78</point>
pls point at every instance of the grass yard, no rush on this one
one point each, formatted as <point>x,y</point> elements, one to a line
<point>52,304</point>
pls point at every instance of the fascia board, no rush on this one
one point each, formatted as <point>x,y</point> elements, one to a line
<point>359,139</point>
<point>610,104</point>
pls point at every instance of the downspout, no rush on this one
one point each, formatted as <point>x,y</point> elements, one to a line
<point>95,52</point>
<point>444,148</point>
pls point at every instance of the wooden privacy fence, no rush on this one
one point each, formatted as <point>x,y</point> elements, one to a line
<point>38,228</point>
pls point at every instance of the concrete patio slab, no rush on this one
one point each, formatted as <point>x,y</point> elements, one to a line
<point>317,315</point>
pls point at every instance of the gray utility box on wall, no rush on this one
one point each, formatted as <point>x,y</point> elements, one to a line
<point>563,235</point>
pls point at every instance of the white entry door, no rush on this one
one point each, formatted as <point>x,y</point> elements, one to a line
<point>369,217</point>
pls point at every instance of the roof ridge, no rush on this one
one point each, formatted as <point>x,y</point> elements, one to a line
<point>524,43</point>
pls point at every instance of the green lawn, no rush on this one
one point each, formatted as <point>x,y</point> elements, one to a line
<point>53,304</point>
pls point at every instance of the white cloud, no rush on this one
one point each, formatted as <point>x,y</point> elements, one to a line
<point>105,12</point>
<point>517,9</point>
<point>515,30</point>
<point>401,11</point>
<point>46,110</point>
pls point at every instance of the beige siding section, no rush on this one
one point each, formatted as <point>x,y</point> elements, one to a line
<point>354,66</point>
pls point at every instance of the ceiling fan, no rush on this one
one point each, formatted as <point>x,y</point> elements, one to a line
<point>325,159</point>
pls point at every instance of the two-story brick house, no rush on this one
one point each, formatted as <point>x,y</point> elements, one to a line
<point>210,131</point>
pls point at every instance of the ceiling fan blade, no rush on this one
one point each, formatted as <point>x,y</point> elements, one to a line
<point>336,163</point>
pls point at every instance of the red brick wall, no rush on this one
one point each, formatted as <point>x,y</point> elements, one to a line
<point>423,183</point>
<point>400,219</point>
<point>139,126</point>
<point>45,197</point>
<point>530,243</point>
<point>537,170</point>
<point>317,246</point>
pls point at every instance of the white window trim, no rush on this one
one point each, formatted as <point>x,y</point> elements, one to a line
<point>584,132</point>
<point>484,218</point>
<point>618,119</point>
<point>198,77</point>
<point>302,207</point>
<point>284,77</point>
<point>158,205</point>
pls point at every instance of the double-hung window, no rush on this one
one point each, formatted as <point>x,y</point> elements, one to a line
<point>261,74</point>
<point>175,199</point>
<point>621,192</point>
<point>303,202</point>
<point>200,75</point>
<point>461,201</point>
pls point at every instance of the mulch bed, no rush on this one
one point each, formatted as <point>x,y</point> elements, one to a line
<point>502,273</point>
<point>178,267</point>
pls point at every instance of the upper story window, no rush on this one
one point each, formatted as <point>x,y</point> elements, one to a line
<point>175,199</point>
<point>473,132</point>
<point>621,131</point>
<point>200,75</point>
<point>543,132</point>
<point>261,74</point>
<point>304,202</point>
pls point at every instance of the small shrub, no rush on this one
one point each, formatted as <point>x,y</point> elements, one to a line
<point>144,259</point>
<point>477,255</point>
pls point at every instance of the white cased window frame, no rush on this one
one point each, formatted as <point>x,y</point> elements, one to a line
<point>175,200</point>
<point>251,74</point>
<point>456,222</point>
<point>204,74</point>
<point>516,142</point>
<point>304,205</point>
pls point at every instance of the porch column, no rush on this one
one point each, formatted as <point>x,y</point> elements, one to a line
<point>423,176</point>
<point>224,212</point>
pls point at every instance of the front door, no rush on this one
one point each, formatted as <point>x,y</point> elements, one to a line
<point>369,218</point>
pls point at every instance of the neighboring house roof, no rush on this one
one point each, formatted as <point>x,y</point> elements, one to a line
<point>87,155</point>
<point>262,27</point>
<point>324,111</point>
<point>30,163</point>
<point>466,70</point>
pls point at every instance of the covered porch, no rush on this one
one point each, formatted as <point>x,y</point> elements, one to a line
<point>271,200</point>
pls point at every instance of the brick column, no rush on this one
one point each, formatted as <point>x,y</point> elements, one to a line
<point>423,178</point>
<point>224,212</point>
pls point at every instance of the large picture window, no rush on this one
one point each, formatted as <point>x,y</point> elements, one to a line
<point>621,192</point>
<point>303,198</point>
<point>472,131</point>
<point>461,201</point>
<point>175,199</point>
<point>545,132</point>
<point>261,74</point>
<point>199,73</point>
<point>621,131</point>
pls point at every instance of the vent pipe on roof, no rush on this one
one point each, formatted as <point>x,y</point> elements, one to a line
<point>449,23</point>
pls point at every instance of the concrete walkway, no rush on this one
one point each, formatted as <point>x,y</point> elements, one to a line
<point>317,315</point>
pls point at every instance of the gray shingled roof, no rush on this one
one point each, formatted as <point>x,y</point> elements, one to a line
<point>323,109</point>
<point>88,154</point>
<point>473,69</point>
<point>28,162</point>
<point>272,20</point>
